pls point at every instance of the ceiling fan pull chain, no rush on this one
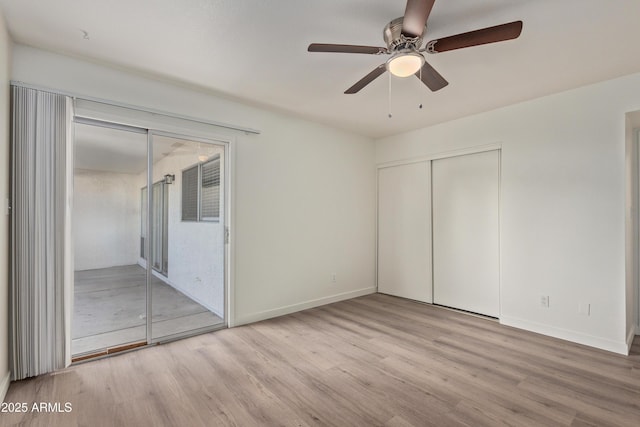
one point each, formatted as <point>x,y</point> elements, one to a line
<point>390,115</point>
<point>420,106</point>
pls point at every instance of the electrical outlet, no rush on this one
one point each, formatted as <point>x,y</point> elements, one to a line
<point>334,278</point>
<point>544,301</point>
<point>584,308</point>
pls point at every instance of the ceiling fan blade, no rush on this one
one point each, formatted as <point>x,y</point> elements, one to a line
<point>431,78</point>
<point>377,72</point>
<point>415,17</point>
<point>345,48</point>
<point>478,37</point>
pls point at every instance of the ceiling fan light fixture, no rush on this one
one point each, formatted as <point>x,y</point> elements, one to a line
<point>405,64</point>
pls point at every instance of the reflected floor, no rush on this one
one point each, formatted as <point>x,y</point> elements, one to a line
<point>109,309</point>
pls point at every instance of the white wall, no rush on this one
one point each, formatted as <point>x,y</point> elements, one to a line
<point>106,219</point>
<point>562,205</point>
<point>303,196</point>
<point>5,68</point>
<point>632,122</point>
<point>196,249</point>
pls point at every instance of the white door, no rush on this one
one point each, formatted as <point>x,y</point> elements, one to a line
<point>404,231</point>
<point>465,232</point>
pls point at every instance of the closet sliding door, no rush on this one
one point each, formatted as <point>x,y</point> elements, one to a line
<point>466,232</point>
<point>404,231</point>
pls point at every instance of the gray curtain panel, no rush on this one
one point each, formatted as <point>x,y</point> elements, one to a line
<point>38,191</point>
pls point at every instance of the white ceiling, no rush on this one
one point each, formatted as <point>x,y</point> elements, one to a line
<point>255,51</point>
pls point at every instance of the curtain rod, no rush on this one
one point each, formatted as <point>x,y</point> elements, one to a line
<point>133,107</point>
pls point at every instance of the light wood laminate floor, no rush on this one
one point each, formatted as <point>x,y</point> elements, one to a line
<point>371,361</point>
<point>110,309</point>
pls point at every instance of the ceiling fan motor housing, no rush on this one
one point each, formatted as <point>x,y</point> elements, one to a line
<point>395,40</point>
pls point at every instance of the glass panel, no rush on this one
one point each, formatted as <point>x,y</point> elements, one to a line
<point>189,294</point>
<point>109,231</point>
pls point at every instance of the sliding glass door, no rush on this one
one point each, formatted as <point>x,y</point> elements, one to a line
<point>110,308</point>
<point>188,229</point>
<point>150,265</point>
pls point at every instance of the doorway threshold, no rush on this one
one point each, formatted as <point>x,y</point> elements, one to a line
<point>108,352</point>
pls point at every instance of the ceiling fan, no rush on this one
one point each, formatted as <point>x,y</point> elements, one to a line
<point>404,37</point>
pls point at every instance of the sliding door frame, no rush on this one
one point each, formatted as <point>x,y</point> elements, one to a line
<point>225,144</point>
<point>149,241</point>
<point>75,358</point>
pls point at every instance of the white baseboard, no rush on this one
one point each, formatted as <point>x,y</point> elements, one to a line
<point>619,347</point>
<point>4,385</point>
<point>187,294</point>
<point>280,311</point>
<point>630,337</point>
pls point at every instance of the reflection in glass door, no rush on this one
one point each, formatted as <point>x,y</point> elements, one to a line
<point>160,227</point>
<point>188,232</point>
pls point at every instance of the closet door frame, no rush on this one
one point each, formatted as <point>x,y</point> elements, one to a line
<point>444,155</point>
